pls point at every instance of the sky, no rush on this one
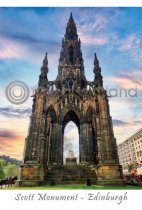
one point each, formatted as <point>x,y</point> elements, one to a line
<point>113,33</point>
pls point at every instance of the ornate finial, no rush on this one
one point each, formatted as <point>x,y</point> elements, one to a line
<point>96,61</point>
<point>71,18</point>
<point>97,71</point>
<point>42,83</point>
<point>45,60</point>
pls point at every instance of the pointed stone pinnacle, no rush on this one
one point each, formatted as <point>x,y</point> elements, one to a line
<point>45,60</point>
<point>71,18</point>
<point>96,61</point>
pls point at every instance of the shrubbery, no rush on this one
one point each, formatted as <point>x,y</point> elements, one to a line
<point>7,169</point>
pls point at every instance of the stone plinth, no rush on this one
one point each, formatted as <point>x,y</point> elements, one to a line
<point>110,174</point>
<point>71,161</point>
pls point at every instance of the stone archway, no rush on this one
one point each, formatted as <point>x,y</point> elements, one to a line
<point>70,116</point>
<point>71,144</point>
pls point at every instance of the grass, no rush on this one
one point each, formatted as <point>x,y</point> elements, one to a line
<point>76,187</point>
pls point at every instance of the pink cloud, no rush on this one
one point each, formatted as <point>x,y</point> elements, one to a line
<point>9,49</point>
<point>12,136</point>
<point>90,40</point>
<point>131,46</point>
<point>128,80</point>
<point>131,42</point>
<point>100,22</point>
<point>13,148</point>
<point>11,143</point>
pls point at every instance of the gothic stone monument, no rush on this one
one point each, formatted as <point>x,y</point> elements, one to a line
<point>70,97</point>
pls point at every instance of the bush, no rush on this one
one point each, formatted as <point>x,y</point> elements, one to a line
<point>7,169</point>
<point>11,170</point>
<point>2,164</point>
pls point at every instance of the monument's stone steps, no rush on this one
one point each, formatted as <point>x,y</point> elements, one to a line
<point>70,174</point>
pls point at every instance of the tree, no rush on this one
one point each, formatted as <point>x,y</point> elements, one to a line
<point>11,170</point>
<point>2,174</point>
<point>2,164</point>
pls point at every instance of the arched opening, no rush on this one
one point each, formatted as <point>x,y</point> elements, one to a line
<point>71,144</point>
<point>71,138</point>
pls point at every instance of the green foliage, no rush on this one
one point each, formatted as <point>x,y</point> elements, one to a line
<point>132,166</point>
<point>2,174</point>
<point>2,164</point>
<point>7,169</point>
<point>11,170</point>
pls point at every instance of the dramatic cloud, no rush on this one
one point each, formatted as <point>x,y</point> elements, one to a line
<point>119,123</point>
<point>137,122</point>
<point>93,24</point>
<point>8,49</point>
<point>11,147</point>
<point>130,43</point>
<point>93,40</point>
<point>15,112</point>
<point>128,79</point>
<point>7,134</point>
<point>10,143</point>
<point>131,46</point>
<point>123,123</point>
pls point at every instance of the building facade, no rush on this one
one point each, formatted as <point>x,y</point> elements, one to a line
<point>130,151</point>
<point>70,97</point>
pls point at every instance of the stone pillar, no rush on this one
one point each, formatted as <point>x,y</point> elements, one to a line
<point>82,143</point>
<point>99,140</point>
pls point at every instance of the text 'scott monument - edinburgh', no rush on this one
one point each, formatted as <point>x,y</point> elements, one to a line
<point>70,98</point>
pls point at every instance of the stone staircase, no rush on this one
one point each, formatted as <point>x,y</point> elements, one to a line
<point>76,174</point>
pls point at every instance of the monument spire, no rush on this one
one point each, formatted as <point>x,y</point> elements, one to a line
<point>71,18</point>
<point>71,46</point>
<point>71,30</point>
<point>45,60</point>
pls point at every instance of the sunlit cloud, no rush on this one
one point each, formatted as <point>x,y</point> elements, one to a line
<point>99,23</point>
<point>7,134</point>
<point>12,136</point>
<point>11,147</point>
<point>93,40</point>
<point>9,49</point>
<point>131,46</point>
<point>128,79</point>
<point>15,112</point>
<point>11,141</point>
<point>131,42</point>
<point>124,132</point>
